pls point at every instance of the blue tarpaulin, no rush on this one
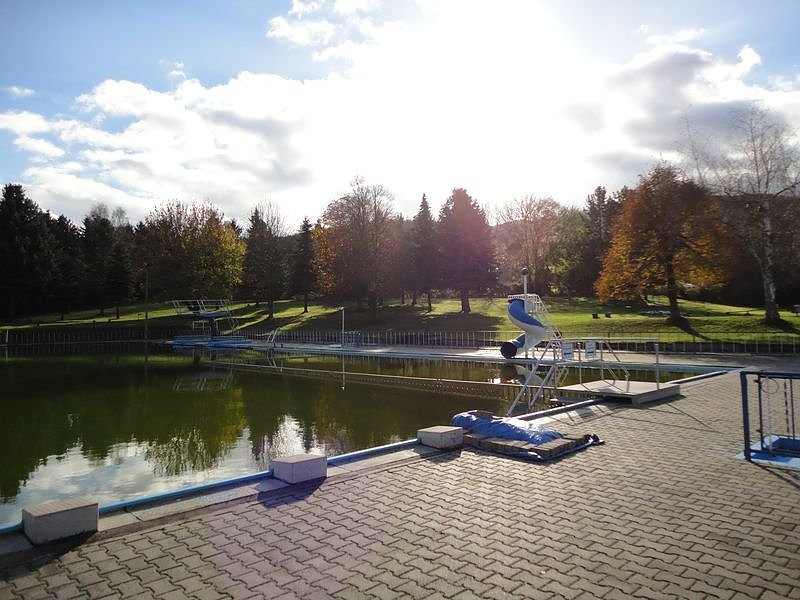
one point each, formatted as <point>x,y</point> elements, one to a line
<point>506,428</point>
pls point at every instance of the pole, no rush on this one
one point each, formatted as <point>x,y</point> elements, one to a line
<point>525,292</point>
<point>745,415</point>
<point>146,306</point>
<point>658,369</point>
<point>342,326</point>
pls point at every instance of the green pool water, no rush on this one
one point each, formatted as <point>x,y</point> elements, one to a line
<point>113,426</point>
<point>116,425</point>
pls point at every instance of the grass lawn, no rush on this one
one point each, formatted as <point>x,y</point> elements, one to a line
<point>573,317</point>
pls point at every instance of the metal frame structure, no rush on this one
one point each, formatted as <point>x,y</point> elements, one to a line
<point>209,310</point>
<point>778,401</point>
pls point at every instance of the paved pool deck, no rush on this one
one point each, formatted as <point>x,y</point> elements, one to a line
<point>663,509</point>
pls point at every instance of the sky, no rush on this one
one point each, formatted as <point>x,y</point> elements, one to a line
<point>139,102</point>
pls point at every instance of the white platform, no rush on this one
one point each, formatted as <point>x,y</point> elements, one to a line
<point>638,392</point>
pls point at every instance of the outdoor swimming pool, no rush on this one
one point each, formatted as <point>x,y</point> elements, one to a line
<point>115,426</point>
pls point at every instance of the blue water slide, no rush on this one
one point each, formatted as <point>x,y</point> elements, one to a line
<point>533,328</point>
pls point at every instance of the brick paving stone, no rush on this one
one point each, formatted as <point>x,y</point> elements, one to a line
<point>101,589</point>
<point>66,592</point>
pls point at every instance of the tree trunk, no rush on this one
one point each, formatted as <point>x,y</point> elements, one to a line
<point>270,304</point>
<point>305,302</point>
<point>672,294</point>
<point>771,315</point>
<point>430,304</point>
<point>465,302</point>
<point>117,312</point>
<point>414,298</point>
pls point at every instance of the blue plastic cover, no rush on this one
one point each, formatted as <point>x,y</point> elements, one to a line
<point>507,428</point>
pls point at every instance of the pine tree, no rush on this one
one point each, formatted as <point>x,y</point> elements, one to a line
<point>27,251</point>
<point>466,255</point>
<point>303,277</point>
<point>423,251</point>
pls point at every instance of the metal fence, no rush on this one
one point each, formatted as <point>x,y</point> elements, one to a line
<point>770,406</point>
<point>766,343</point>
<point>14,338</point>
<point>737,342</point>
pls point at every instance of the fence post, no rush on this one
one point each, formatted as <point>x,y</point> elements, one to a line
<point>745,415</point>
<point>658,368</point>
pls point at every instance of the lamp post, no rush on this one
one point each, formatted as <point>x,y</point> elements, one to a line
<point>342,340</point>
<point>342,308</point>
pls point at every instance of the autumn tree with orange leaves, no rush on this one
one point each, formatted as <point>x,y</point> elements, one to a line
<point>667,235</point>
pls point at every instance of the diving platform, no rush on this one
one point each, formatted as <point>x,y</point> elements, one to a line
<point>636,392</point>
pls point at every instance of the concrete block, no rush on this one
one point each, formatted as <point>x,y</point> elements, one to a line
<point>60,519</point>
<point>301,467</point>
<point>443,437</point>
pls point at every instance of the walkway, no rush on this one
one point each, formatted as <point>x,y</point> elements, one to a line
<point>662,510</point>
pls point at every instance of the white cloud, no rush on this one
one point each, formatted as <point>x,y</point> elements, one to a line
<point>38,146</point>
<point>16,91</point>
<point>308,33</point>
<point>350,7</point>
<point>23,122</point>
<point>177,71</point>
<point>679,37</point>
<point>301,7</point>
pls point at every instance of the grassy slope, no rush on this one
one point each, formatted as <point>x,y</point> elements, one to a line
<point>573,317</point>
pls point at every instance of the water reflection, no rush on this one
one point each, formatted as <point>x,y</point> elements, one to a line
<point>112,426</point>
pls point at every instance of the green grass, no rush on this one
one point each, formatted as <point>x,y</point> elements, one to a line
<point>573,317</point>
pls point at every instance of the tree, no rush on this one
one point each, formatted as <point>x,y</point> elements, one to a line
<point>303,276</point>
<point>98,240</point>
<point>527,236</point>
<point>668,233</point>
<point>191,250</point>
<point>69,276</point>
<point>27,251</point>
<point>601,213</point>
<point>423,251</point>
<point>119,278</point>
<point>757,175</point>
<point>572,273</point>
<point>324,259</point>
<point>466,257</point>
<point>358,225</point>
<point>264,268</point>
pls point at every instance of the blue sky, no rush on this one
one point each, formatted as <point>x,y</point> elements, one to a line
<point>133,103</point>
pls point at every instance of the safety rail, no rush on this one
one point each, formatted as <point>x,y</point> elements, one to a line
<point>775,403</point>
<point>725,343</point>
<point>105,331</point>
<point>580,353</point>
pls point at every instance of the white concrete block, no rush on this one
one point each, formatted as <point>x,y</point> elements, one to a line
<point>60,519</point>
<point>301,467</point>
<point>443,437</point>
